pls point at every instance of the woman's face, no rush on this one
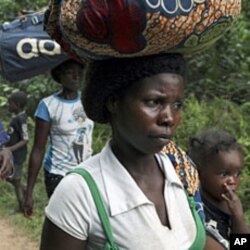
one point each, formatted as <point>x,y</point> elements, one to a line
<point>146,116</point>
<point>72,76</point>
<point>223,168</point>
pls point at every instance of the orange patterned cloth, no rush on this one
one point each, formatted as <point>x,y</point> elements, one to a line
<point>120,28</point>
<point>184,167</point>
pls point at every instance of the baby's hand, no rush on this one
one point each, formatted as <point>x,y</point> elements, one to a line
<point>237,214</point>
<point>233,202</point>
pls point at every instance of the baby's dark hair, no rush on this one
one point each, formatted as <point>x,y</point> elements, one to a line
<point>105,78</point>
<point>209,143</point>
<point>19,98</point>
<point>56,71</point>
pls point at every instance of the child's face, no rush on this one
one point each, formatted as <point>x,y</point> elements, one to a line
<point>223,168</point>
<point>12,106</point>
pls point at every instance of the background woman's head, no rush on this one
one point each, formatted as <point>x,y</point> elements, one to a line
<point>69,74</point>
<point>111,77</point>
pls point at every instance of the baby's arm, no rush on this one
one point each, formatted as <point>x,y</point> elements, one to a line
<point>236,209</point>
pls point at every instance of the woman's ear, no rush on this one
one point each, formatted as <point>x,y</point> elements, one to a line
<point>112,104</point>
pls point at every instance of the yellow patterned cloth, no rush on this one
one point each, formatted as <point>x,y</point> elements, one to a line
<point>184,167</point>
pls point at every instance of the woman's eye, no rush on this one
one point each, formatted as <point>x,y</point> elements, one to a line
<point>177,105</point>
<point>152,103</point>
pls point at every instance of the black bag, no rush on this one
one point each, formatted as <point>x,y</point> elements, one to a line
<point>26,50</point>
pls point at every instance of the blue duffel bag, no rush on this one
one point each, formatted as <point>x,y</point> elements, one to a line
<point>26,50</point>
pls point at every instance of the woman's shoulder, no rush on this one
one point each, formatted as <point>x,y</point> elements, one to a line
<point>46,101</point>
<point>92,166</point>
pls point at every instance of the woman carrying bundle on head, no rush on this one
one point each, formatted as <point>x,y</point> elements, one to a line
<point>147,192</point>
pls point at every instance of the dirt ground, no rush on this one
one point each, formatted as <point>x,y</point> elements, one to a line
<point>12,239</point>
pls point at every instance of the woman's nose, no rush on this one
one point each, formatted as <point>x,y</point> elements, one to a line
<point>167,115</point>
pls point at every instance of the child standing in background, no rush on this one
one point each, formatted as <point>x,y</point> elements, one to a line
<point>18,140</point>
<point>219,159</point>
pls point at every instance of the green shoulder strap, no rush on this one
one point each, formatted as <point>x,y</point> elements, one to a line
<point>200,239</point>
<point>110,244</point>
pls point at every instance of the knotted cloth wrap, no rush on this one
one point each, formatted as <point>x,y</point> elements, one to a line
<point>127,28</point>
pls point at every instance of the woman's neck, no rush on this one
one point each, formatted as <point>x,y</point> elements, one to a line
<point>68,95</point>
<point>134,161</point>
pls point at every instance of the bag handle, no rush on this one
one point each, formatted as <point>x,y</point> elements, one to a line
<point>110,244</point>
<point>200,238</point>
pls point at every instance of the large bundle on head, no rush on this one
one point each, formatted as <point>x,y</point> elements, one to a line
<point>128,28</point>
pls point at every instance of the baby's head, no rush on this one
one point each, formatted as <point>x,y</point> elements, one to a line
<point>219,159</point>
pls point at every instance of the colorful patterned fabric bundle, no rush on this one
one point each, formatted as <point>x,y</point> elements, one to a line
<point>121,28</point>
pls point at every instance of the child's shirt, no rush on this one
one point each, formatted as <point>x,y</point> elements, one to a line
<point>18,131</point>
<point>218,222</point>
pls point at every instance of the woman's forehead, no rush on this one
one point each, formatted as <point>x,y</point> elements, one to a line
<point>162,79</point>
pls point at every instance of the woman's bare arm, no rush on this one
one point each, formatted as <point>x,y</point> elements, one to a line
<point>53,238</point>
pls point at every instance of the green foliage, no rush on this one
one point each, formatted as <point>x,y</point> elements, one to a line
<point>11,9</point>
<point>219,113</point>
<point>224,69</point>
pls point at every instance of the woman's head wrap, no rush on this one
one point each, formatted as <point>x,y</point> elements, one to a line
<point>106,77</point>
